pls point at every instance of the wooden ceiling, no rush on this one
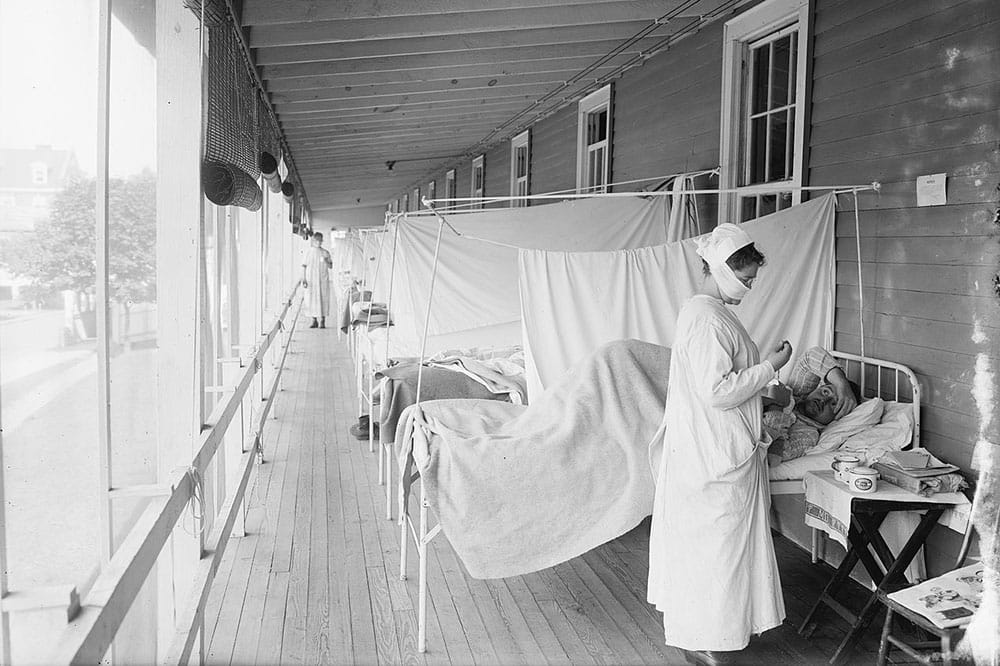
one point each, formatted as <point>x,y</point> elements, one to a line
<point>427,84</point>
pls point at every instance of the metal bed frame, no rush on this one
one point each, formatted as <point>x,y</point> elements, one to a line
<point>865,371</point>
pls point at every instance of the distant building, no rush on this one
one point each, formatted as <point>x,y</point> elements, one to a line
<point>30,179</point>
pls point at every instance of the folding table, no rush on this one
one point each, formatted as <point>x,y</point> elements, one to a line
<point>853,519</point>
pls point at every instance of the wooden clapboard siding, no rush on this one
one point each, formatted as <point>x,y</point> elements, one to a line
<point>667,111</point>
<point>903,89</point>
<point>315,580</point>
<point>553,152</point>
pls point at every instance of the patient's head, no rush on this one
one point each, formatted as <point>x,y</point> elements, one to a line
<point>819,404</point>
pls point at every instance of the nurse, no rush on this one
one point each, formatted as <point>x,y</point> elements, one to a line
<point>712,570</point>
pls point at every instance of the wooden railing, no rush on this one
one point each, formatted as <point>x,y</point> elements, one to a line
<point>97,619</point>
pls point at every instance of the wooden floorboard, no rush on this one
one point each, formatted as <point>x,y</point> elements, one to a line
<point>316,578</point>
<point>260,515</point>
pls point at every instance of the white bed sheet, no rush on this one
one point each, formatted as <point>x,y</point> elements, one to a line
<point>893,433</point>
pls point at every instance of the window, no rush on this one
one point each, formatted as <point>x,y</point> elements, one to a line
<point>763,96</point>
<point>432,190</point>
<point>39,173</point>
<point>450,189</point>
<point>406,203</point>
<point>594,141</point>
<point>478,180</point>
<point>520,160</point>
<point>39,201</point>
<point>7,201</point>
<point>416,198</point>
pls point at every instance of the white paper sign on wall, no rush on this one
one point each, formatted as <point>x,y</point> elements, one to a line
<point>931,190</point>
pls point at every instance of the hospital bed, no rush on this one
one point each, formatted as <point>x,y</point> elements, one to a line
<point>893,382</point>
<point>376,382</point>
<point>890,381</point>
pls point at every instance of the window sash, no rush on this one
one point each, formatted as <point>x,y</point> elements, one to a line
<point>762,133</point>
<point>450,187</point>
<point>769,127</point>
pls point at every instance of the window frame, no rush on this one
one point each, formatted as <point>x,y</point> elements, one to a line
<point>478,193</point>
<point>522,140</point>
<point>450,186</point>
<point>590,104</point>
<point>739,33</point>
<point>39,173</point>
<point>431,190</point>
<point>415,201</point>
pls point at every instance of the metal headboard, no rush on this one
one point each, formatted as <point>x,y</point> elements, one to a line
<point>868,373</point>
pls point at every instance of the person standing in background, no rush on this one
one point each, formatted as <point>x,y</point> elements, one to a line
<point>316,265</point>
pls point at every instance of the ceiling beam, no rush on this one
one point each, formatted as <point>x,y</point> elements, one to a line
<point>374,130</point>
<point>389,115</point>
<point>256,12</point>
<point>375,166</point>
<point>486,105</point>
<point>365,130</point>
<point>459,44</point>
<point>499,58</point>
<point>458,23</point>
<point>558,66</point>
<point>525,92</point>
<point>368,91</point>
<point>352,140</point>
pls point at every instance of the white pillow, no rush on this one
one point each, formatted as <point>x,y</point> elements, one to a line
<point>866,414</point>
<point>893,433</point>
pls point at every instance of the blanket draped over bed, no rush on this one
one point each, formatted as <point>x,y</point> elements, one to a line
<point>518,489</point>
<point>401,391</point>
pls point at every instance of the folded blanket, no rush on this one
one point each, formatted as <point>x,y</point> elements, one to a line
<point>373,315</point>
<point>399,391</point>
<point>514,385</point>
<point>518,489</point>
<point>350,296</point>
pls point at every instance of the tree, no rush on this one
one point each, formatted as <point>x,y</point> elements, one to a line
<point>62,255</point>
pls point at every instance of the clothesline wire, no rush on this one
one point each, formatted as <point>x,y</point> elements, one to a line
<point>836,189</point>
<point>663,179</point>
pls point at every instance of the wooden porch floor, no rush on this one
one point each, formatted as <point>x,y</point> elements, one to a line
<point>315,581</point>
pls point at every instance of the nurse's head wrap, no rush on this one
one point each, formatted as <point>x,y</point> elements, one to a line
<point>718,246</point>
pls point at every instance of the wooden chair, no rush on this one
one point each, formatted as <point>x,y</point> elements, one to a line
<point>924,652</point>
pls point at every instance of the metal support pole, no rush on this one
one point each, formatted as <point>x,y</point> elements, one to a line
<point>422,589</point>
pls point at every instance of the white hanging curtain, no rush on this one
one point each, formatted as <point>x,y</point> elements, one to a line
<point>573,302</point>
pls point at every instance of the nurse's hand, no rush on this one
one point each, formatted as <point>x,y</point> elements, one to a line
<point>780,356</point>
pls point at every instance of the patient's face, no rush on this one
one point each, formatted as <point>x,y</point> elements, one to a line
<point>819,404</point>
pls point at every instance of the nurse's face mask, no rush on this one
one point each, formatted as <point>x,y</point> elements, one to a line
<point>734,284</point>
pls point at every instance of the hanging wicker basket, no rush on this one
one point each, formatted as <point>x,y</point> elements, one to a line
<point>228,185</point>
<point>269,169</point>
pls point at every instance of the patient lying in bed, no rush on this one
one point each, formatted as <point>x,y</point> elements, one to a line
<point>822,394</point>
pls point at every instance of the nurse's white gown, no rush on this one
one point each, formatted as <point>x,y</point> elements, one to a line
<point>712,570</point>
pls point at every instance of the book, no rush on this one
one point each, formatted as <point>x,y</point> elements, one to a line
<point>918,463</point>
